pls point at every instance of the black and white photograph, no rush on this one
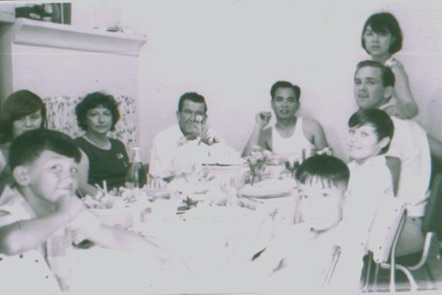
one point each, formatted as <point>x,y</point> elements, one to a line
<point>220,147</point>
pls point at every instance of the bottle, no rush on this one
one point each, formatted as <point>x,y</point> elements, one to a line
<point>136,176</point>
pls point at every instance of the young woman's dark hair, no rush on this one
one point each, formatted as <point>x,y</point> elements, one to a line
<point>16,106</point>
<point>384,22</point>
<point>93,100</point>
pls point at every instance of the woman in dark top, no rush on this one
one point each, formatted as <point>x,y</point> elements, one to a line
<point>107,159</point>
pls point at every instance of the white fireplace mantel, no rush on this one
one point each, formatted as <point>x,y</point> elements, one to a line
<point>38,33</point>
<point>43,57</point>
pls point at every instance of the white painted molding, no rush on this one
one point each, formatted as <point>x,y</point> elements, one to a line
<point>45,34</point>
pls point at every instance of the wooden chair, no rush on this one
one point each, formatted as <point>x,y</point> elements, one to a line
<point>329,269</point>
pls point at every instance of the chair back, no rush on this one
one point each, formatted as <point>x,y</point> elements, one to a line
<point>433,215</point>
<point>327,272</point>
<point>394,165</point>
<point>385,229</point>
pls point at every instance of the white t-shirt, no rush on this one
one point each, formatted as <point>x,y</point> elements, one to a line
<point>410,145</point>
<point>172,154</point>
<point>292,145</point>
<point>369,185</point>
<point>13,208</point>
<point>307,260</point>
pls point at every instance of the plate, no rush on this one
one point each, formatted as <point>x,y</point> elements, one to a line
<point>235,162</point>
<point>157,192</point>
<point>269,188</point>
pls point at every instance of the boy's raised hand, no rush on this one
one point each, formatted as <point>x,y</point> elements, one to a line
<point>69,204</point>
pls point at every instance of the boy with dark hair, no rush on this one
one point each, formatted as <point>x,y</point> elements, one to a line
<point>41,205</point>
<point>317,252</point>
<point>371,181</point>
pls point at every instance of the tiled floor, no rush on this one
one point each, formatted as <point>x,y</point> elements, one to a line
<point>421,277</point>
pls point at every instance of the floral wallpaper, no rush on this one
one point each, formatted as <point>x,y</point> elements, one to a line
<point>61,116</point>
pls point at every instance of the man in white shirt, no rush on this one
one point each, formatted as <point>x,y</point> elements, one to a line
<point>373,88</point>
<point>178,148</point>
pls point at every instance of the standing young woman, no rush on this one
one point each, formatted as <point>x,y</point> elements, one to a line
<point>382,38</point>
<point>106,158</point>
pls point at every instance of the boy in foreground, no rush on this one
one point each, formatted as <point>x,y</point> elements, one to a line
<point>41,206</point>
<point>319,253</point>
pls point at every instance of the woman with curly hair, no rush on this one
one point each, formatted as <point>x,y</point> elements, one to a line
<point>106,158</point>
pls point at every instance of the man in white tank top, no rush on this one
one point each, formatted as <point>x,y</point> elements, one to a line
<point>291,134</point>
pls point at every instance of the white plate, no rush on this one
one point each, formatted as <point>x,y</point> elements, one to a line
<point>157,192</point>
<point>237,162</point>
<point>269,188</point>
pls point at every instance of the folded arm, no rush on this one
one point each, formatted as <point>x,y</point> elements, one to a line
<point>23,235</point>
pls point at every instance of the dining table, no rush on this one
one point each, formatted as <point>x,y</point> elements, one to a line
<point>204,222</point>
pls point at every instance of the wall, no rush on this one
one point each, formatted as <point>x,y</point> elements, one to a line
<point>232,51</point>
<point>62,63</point>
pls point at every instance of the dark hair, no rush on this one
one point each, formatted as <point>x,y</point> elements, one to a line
<point>194,97</point>
<point>380,120</point>
<point>285,84</point>
<point>18,105</point>
<point>328,169</point>
<point>93,100</point>
<point>384,22</point>
<point>28,147</point>
<point>387,74</point>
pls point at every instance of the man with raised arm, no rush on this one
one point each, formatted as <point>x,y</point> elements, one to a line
<point>291,133</point>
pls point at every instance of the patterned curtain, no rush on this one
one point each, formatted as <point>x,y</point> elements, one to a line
<point>61,117</point>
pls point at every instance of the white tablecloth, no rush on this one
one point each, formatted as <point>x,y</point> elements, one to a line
<point>204,239</point>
